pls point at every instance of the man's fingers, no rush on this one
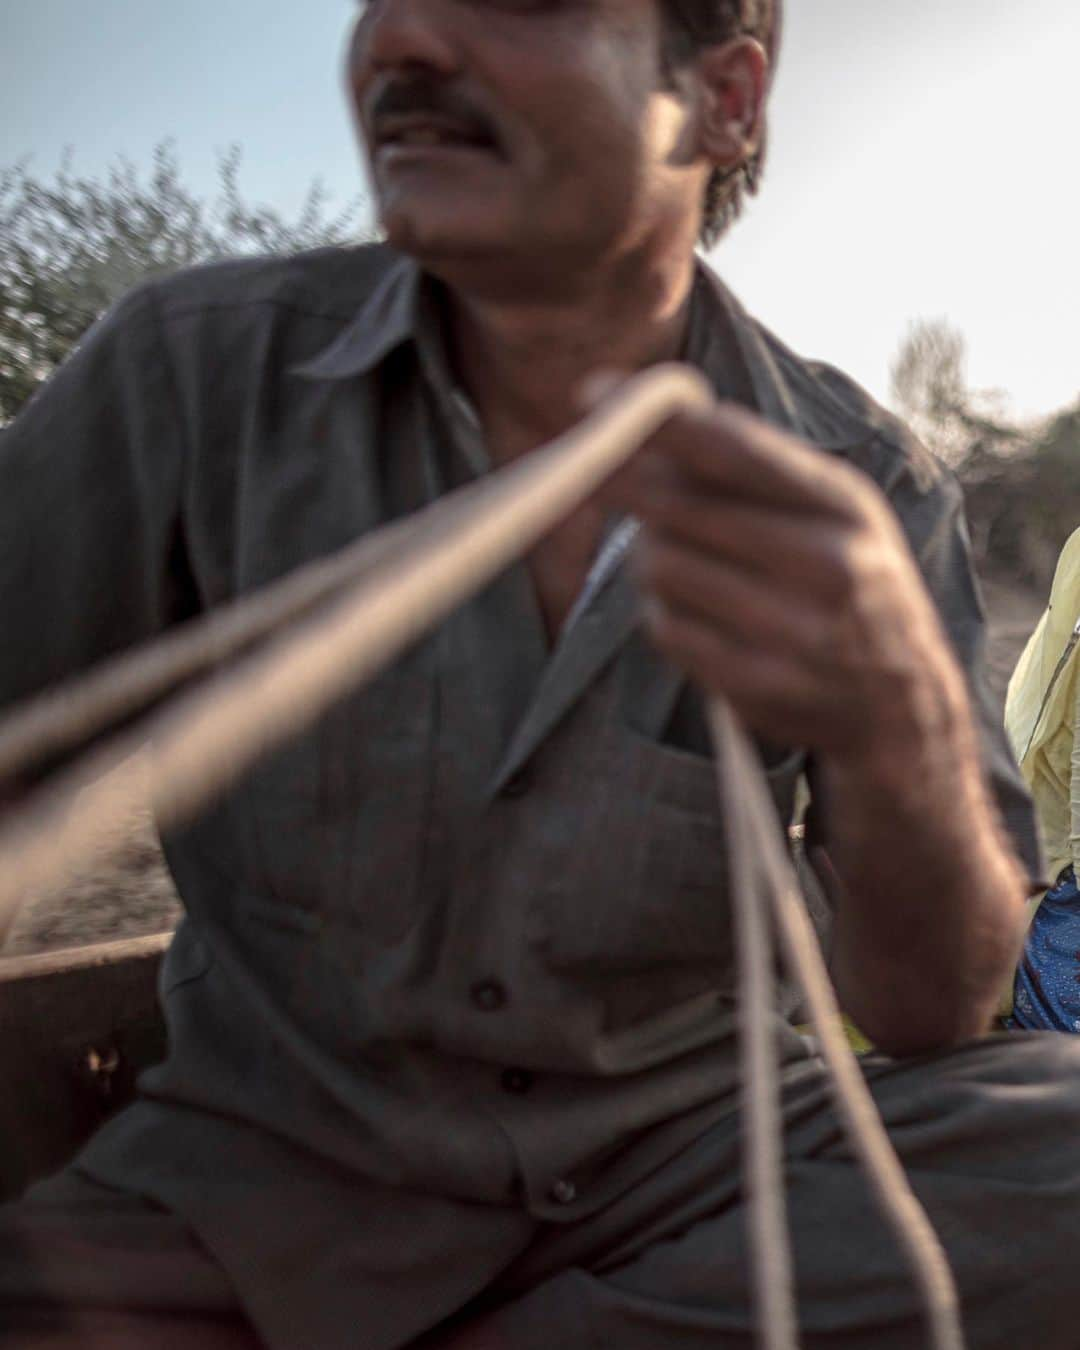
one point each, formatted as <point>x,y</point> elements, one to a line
<point>745,605</point>
<point>731,452</point>
<point>786,701</point>
<point>766,690</point>
<point>806,557</point>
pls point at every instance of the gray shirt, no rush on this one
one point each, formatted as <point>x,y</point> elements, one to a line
<point>471,934</point>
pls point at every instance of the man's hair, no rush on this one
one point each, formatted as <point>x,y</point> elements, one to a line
<point>692,24</point>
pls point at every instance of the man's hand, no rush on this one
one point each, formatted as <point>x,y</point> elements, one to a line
<point>778,576</point>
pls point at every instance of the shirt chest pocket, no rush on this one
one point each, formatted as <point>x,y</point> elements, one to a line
<point>647,884</point>
<point>335,822</point>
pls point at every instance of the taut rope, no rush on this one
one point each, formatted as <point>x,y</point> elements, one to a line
<point>351,616</point>
<point>854,1102</point>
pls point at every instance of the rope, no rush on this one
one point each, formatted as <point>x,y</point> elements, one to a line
<point>772,1266</point>
<point>69,715</point>
<point>866,1132</point>
<point>350,617</point>
<point>180,757</point>
<point>854,1102</point>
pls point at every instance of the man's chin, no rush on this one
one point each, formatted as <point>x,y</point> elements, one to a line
<point>431,236</point>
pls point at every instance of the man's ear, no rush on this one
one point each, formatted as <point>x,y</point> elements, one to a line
<point>734,83</point>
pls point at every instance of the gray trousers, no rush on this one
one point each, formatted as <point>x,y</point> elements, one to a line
<point>990,1135</point>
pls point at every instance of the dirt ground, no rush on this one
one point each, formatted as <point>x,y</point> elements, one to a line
<point>130,896</point>
<point>134,895</point>
<point>1013,612</point>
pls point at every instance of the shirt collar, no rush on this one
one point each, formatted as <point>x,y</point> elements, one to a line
<point>728,347</point>
<point>403,309</point>
<point>387,319</point>
<point>723,342</point>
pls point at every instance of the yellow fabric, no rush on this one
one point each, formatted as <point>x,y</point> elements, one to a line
<point>1042,715</point>
<point>854,1037</point>
<point>1042,718</point>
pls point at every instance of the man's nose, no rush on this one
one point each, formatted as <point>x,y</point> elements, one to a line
<point>394,34</point>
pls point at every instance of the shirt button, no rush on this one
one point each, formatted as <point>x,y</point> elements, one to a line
<point>489,995</point>
<point>517,1080</point>
<point>517,784</point>
<point>563,1192</point>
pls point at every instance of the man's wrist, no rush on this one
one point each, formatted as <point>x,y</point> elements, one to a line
<point>921,734</point>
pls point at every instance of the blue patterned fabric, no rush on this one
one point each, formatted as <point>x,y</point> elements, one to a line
<point>1047,993</point>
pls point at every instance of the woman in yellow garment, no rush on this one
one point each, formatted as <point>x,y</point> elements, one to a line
<point>1042,715</point>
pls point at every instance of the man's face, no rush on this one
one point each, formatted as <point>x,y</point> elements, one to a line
<point>540,129</point>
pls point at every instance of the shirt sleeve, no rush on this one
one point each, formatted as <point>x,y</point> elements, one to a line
<point>90,486</point>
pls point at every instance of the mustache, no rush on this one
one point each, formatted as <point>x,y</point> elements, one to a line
<point>402,96</point>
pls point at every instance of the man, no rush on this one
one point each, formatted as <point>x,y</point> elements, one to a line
<point>451,1017</point>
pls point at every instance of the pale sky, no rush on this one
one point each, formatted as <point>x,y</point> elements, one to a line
<point>924,155</point>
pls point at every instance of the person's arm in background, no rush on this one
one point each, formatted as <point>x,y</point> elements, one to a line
<point>1074,785</point>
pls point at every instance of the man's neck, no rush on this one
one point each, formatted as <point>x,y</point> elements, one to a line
<point>523,362</point>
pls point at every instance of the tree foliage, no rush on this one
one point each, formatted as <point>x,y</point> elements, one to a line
<point>1021,481</point>
<point>70,247</point>
<point>929,382</point>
